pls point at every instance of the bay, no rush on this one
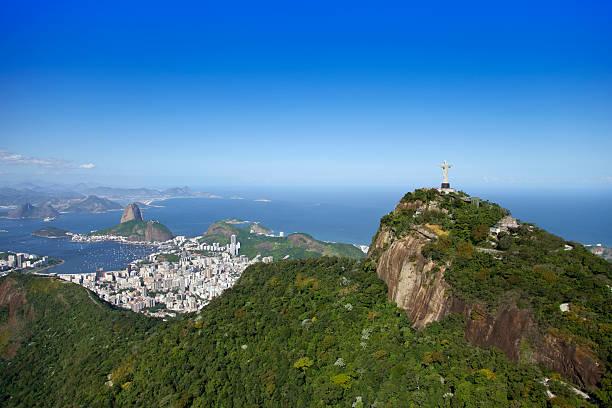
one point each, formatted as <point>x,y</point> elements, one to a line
<point>334,215</point>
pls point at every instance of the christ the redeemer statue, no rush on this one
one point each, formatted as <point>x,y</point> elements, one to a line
<point>445,166</point>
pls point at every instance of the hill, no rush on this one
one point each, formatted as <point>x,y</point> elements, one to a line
<point>535,296</point>
<point>145,231</point>
<point>36,196</point>
<point>494,312</point>
<point>29,211</point>
<point>253,242</point>
<point>91,204</point>
<point>133,228</point>
<point>51,232</point>
<point>58,343</point>
<point>302,333</point>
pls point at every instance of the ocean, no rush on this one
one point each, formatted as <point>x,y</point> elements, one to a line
<point>340,216</point>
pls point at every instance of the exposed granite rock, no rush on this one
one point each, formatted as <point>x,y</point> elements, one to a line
<point>131,212</point>
<point>514,332</point>
<point>417,285</point>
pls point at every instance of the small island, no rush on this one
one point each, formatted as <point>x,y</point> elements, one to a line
<point>52,232</point>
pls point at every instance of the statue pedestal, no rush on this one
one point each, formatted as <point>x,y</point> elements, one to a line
<point>446,190</point>
<point>445,185</point>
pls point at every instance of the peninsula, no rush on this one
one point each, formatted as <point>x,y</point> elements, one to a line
<point>133,228</point>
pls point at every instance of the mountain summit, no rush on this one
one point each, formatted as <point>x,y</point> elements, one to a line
<point>134,228</point>
<point>536,297</point>
<point>27,210</point>
<point>131,212</point>
<point>322,333</point>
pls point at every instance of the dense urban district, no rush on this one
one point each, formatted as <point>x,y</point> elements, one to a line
<point>184,274</point>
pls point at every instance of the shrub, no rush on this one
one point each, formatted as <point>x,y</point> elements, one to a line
<point>465,250</point>
<point>303,363</point>
<point>343,380</point>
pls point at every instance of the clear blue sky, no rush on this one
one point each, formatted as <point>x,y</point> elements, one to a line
<point>306,93</point>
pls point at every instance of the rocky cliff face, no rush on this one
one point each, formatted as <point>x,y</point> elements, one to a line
<point>515,333</point>
<point>417,285</point>
<point>131,212</point>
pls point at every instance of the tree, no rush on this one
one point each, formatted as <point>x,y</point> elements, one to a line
<point>479,232</point>
<point>465,250</point>
<point>304,363</point>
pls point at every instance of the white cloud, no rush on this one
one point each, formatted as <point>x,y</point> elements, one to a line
<point>8,157</point>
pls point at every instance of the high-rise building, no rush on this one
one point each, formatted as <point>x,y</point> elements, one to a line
<point>233,239</point>
<point>19,260</point>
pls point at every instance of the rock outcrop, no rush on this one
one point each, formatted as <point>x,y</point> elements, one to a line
<point>29,211</point>
<point>514,332</point>
<point>417,284</point>
<point>131,212</point>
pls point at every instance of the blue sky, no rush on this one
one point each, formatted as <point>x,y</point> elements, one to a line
<point>307,93</point>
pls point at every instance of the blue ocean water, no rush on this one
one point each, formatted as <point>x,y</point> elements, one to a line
<point>78,257</point>
<point>340,216</point>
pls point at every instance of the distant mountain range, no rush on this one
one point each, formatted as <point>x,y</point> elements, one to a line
<point>82,198</point>
<point>90,204</point>
<point>29,211</point>
<point>52,208</point>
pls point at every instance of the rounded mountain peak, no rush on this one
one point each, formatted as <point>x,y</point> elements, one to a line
<point>131,212</point>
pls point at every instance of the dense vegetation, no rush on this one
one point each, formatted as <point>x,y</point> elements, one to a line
<point>290,334</point>
<point>51,232</point>
<point>454,214</point>
<point>294,246</point>
<point>528,266</point>
<point>65,341</point>
<point>315,332</point>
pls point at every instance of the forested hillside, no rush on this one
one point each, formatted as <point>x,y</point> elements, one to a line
<point>254,242</point>
<point>58,342</point>
<point>302,333</point>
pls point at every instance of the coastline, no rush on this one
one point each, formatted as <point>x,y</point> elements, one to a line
<point>44,268</point>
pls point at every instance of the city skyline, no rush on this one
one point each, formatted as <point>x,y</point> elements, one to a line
<point>306,95</point>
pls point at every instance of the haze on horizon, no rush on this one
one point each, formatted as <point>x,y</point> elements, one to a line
<point>344,94</point>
